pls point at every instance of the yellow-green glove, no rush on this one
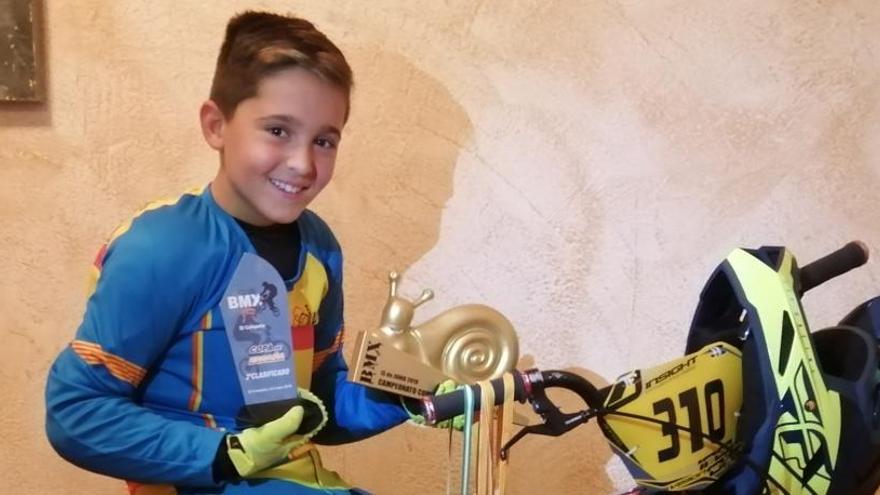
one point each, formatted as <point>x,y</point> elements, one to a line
<point>258,448</point>
<point>444,388</point>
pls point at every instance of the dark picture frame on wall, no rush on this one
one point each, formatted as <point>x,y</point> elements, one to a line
<point>19,69</point>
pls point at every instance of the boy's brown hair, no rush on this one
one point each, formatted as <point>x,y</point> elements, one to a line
<point>259,44</point>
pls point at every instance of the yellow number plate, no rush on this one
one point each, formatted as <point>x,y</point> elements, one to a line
<point>698,392</point>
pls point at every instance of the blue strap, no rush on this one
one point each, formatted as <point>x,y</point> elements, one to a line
<point>466,450</point>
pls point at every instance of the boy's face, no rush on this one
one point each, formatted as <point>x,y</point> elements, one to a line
<point>279,148</point>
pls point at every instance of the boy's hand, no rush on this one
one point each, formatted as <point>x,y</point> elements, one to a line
<point>456,422</point>
<point>258,448</point>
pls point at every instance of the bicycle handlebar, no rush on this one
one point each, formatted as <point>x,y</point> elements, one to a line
<point>853,255</point>
<point>527,385</point>
<point>442,407</point>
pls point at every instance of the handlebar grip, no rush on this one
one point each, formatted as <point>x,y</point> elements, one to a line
<point>853,255</point>
<point>439,408</point>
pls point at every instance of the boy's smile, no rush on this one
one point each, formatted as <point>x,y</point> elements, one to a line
<point>278,149</point>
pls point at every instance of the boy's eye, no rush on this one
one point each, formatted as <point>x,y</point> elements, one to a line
<point>326,143</point>
<point>277,131</point>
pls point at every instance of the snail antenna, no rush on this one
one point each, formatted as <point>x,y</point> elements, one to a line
<point>393,277</point>
<point>426,296</point>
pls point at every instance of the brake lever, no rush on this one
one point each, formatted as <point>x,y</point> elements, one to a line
<point>555,422</point>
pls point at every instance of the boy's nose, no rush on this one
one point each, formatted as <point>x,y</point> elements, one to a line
<point>301,160</point>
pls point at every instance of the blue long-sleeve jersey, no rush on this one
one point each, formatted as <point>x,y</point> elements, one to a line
<point>148,388</point>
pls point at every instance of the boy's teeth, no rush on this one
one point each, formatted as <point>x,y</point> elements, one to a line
<point>285,186</point>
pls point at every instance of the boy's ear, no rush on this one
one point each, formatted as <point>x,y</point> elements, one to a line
<point>213,121</point>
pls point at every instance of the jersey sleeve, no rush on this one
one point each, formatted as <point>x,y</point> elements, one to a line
<point>143,296</point>
<point>356,411</point>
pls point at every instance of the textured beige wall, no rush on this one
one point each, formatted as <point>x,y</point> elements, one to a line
<point>581,166</point>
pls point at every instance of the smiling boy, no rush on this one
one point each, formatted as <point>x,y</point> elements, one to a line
<point>148,390</point>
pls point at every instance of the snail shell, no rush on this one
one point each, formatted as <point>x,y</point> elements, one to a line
<point>475,343</point>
